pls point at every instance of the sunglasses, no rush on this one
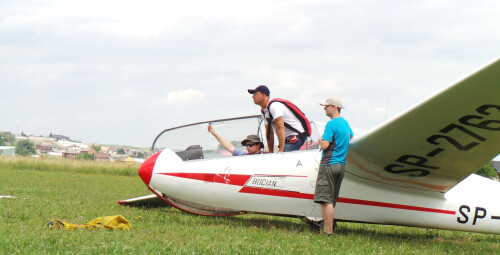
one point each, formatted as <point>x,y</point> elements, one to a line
<point>250,144</point>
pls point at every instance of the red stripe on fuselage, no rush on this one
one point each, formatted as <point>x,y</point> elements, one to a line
<point>389,205</point>
<point>279,175</point>
<point>277,193</point>
<point>232,179</point>
<point>292,194</point>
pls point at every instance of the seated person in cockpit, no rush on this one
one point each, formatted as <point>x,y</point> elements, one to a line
<point>252,143</point>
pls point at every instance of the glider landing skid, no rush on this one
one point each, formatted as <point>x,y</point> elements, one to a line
<point>196,208</point>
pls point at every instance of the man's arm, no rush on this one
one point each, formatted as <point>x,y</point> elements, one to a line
<point>280,132</point>
<point>225,143</point>
<point>270,136</point>
<point>324,144</point>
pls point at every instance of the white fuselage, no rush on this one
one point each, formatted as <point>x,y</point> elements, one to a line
<point>284,183</point>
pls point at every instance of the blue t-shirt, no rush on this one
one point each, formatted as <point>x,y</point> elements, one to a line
<point>239,152</point>
<point>338,133</point>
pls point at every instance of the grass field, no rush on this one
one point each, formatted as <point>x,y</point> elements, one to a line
<point>79,191</point>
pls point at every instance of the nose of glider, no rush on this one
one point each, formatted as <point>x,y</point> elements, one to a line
<point>146,169</point>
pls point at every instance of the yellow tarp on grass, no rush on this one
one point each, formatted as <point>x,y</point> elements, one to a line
<point>108,222</point>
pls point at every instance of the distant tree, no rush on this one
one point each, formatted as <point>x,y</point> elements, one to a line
<point>25,148</point>
<point>141,154</point>
<point>23,134</point>
<point>51,136</point>
<point>121,151</point>
<point>487,171</point>
<point>235,143</point>
<point>1,140</point>
<point>7,138</point>
<point>86,156</point>
<point>96,147</point>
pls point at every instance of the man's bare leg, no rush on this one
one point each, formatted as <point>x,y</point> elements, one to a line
<point>327,211</point>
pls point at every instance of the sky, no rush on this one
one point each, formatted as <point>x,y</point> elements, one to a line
<point>119,72</point>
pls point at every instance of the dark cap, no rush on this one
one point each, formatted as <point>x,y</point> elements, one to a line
<point>254,139</point>
<point>261,88</point>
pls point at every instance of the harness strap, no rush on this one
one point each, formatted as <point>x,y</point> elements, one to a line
<point>270,122</point>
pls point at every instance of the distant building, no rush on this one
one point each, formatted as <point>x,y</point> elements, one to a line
<point>139,160</point>
<point>7,150</point>
<point>113,150</point>
<point>70,154</point>
<point>44,147</point>
<point>129,160</point>
<point>102,156</point>
<point>87,150</point>
<point>74,146</point>
<point>61,137</point>
<point>55,154</point>
<point>496,163</point>
<point>40,139</point>
<point>105,149</point>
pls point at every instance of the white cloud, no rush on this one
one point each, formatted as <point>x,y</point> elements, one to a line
<point>179,97</point>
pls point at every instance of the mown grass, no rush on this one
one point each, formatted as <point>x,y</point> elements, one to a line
<point>78,194</point>
<point>69,165</point>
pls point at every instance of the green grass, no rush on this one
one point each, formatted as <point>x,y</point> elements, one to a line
<point>70,191</point>
<point>68,165</point>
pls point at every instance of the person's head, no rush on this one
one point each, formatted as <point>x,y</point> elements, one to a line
<point>253,144</point>
<point>260,95</point>
<point>332,106</point>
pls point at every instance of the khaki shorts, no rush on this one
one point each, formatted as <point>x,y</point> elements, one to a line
<point>328,183</point>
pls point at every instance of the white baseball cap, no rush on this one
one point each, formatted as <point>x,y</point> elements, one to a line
<point>332,101</point>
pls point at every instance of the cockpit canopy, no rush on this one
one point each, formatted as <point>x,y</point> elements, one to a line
<point>194,142</point>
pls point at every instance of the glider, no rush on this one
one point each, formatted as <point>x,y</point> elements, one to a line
<point>413,170</point>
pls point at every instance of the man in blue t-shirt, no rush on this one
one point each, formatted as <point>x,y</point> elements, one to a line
<point>335,143</point>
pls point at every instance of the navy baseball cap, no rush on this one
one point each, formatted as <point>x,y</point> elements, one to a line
<point>261,88</point>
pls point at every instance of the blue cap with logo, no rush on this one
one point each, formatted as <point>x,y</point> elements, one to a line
<point>261,88</point>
